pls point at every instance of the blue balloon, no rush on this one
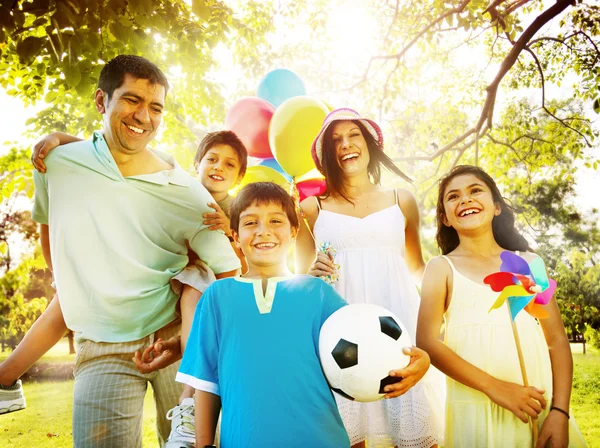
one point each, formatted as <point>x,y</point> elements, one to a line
<point>280,85</point>
<point>272,163</point>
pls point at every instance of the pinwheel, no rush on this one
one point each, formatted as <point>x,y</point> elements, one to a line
<point>522,285</point>
<point>525,285</point>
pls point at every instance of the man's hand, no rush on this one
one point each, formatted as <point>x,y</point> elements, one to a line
<point>217,220</point>
<point>159,355</point>
<point>411,374</point>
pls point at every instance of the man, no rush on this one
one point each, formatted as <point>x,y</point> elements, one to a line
<point>116,217</point>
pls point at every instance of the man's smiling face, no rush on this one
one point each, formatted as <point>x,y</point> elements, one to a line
<point>132,115</point>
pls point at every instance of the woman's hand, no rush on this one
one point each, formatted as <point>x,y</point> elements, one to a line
<point>217,220</point>
<point>520,400</point>
<point>322,266</point>
<point>411,374</point>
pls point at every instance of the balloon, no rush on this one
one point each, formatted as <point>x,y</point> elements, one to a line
<point>249,118</point>
<point>293,128</point>
<point>259,173</point>
<point>329,106</point>
<point>280,85</point>
<point>311,187</point>
<point>312,174</point>
<point>272,163</point>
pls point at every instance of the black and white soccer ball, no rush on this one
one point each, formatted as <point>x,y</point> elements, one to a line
<point>359,344</point>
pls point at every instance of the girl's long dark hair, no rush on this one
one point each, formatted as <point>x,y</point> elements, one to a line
<point>503,225</point>
<point>333,173</point>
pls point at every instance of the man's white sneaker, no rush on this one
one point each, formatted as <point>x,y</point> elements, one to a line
<point>12,398</point>
<point>182,434</point>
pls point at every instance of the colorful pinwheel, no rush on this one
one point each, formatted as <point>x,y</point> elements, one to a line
<point>525,285</point>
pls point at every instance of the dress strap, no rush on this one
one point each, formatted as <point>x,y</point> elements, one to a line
<point>450,263</point>
<point>396,196</point>
<point>318,202</point>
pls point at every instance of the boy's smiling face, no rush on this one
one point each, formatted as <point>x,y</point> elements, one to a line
<point>219,169</point>
<point>264,235</point>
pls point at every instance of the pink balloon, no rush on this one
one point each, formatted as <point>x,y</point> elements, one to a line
<point>249,118</point>
<point>311,187</point>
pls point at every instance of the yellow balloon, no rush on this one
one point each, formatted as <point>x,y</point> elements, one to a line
<point>312,174</point>
<point>260,173</point>
<point>294,126</point>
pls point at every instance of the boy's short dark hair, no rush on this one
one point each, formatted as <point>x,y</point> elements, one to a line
<point>113,73</point>
<point>222,138</point>
<point>262,193</point>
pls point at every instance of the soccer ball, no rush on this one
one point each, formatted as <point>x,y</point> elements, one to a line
<point>358,345</point>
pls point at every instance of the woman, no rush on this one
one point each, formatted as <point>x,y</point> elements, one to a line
<point>375,234</point>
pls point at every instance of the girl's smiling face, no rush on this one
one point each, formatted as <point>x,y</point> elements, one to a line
<point>468,203</point>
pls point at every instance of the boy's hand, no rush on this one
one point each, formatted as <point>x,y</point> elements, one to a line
<point>159,355</point>
<point>41,150</point>
<point>217,220</point>
<point>411,374</point>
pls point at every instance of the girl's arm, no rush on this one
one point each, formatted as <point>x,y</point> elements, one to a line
<point>207,407</point>
<point>520,400</point>
<point>47,144</point>
<point>305,244</point>
<point>413,255</point>
<point>556,426</point>
<point>44,334</point>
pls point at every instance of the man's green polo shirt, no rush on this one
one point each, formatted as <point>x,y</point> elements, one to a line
<point>117,241</point>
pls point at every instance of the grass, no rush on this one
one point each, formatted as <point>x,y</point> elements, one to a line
<point>47,420</point>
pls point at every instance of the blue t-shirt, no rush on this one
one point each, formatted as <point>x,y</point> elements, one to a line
<point>260,354</point>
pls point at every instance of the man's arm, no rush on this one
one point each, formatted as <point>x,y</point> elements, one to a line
<point>207,407</point>
<point>45,242</point>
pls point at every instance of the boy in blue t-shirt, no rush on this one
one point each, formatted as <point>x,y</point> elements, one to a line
<point>253,346</point>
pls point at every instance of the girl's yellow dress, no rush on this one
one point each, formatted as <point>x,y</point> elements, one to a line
<point>485,339</point>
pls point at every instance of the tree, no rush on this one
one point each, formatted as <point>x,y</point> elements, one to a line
<point>54,50</point>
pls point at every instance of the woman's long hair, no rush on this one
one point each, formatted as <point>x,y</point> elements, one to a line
<point>333,172</point>
<point>503,225</point>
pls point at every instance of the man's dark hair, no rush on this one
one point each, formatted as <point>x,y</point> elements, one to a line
<point>223,138</point>
<point>262,193</point>
<point>113,74</point>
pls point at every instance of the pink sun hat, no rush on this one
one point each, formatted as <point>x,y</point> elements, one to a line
<point>343,114</point>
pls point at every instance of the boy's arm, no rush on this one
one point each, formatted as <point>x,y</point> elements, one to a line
<point>41,337</point>
<point>207,407</point>
<point>45,243</point>
<point>47,144</point>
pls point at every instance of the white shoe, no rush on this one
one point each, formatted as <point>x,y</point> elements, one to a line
<point>12,398</point>
<point>182,434</point>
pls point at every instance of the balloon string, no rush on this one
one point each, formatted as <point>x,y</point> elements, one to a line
<point>295,194</point>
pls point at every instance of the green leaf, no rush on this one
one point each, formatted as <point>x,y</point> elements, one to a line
<point>29,48</point>
<point>72,75</point>
<point>201,9</point>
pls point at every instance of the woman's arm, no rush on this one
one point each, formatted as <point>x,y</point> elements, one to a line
<point>511,396</point>
<point>413,254</point>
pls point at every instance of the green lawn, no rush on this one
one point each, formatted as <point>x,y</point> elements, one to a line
<point>47,420</point>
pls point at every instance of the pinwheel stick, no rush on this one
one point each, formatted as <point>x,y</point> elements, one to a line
<point>523,370</point>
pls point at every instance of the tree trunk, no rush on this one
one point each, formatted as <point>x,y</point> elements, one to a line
<point>71,342</point>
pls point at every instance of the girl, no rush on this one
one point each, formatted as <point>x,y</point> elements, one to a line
<point>375,232</point>
<point>486,404</point>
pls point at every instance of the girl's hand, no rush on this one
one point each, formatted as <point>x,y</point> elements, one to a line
<point>322,266</point>
<point>217,220</point>
<point>41,150</point>
<point>554,430</point>
<point>411,374</point>
<point>520,400</point>
<point>159,355</point>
